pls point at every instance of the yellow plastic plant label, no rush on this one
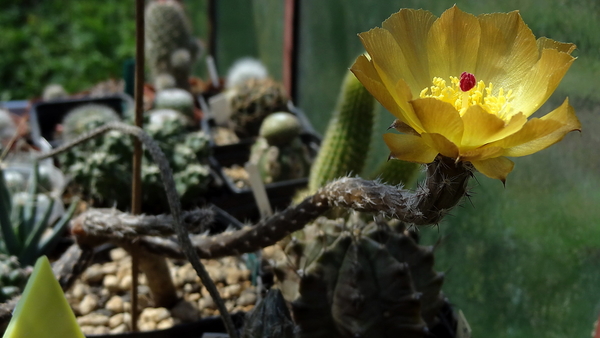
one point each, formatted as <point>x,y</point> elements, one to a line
<point>43,310</point>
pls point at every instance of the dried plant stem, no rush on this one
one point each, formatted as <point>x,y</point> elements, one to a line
<point>444,187</point>
<point>175,206</point>
<point>115,224</point>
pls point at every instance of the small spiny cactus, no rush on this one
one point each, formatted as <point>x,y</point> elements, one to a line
<point>168,38</point>
<point>278,152</point>
<point>84,118</point>
<point>253,101</point>
<point>176,99</point>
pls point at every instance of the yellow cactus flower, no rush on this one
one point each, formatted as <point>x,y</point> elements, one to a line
<point>463,86</point>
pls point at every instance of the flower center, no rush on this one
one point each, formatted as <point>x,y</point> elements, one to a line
<point>466,91</point>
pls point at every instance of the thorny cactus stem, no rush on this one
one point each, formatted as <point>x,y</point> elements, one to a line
<point>445,185</point>
<point>174,204</point>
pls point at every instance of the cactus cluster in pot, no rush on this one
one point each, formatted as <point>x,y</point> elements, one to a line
<point>171,49</point>
<point>252,101</point>
<point>105,162</point>
<point>278,151</point>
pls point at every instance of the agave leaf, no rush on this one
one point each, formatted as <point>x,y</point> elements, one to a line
<point>50,242</point>
<point>6,226</point>
<point>31,204</point>
<point>30,249</point>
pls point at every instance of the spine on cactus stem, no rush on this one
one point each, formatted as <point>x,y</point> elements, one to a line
<point>348,135</point>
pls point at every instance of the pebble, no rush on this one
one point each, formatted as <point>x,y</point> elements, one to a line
<point>165,324</point>
<point>116,320</point>
<point>115,304</point>
<point>231,291</point>
<point>88,304</point>
<point>93,274</point>
<point>93,319</point>
<point>154,314</point>
<point>207,302</point>
<point>79,290</point>
<point>118,254</point>
<point>248,297</point>
<point>119,329</point>
<point>111,283</point>
<point>185,311</point>
<point>125,283</point>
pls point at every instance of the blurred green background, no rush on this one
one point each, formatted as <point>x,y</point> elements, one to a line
<point>521,260</point>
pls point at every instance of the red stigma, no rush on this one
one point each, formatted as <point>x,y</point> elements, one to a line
<point>467,81</point>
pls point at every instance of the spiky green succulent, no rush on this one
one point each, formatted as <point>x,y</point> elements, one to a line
<point>278,152</point>
<point>176,99</point>
<point>359,280</point>
<point>170,47</point>
<point>253,101</point>
<point>22,226</point>
<point>86,117</point>
<point>105,162</point>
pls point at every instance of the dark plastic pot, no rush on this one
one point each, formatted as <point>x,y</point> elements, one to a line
<point>240,203</point>
<point>190,330</point>
<point>46,115</point>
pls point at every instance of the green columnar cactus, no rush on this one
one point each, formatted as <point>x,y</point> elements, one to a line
<point>278,152</point>
<point>176,99</point>
<point>396,172</point>
<point>253,101</point>
<point>366,285</point>
<point>168,38</point>
<point>86,117</point>
<point>348,136</point>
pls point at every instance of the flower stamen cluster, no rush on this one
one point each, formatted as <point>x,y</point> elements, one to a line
<point>496,103</point>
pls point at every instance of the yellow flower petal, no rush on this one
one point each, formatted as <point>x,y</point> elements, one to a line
<point>409,148</point>
<point>388,58</point>
<point>441,144</point>
<point>507,49</point>
<point>481,127</point>
<point>439,117</point>
<point>452,44</point>
<point>365,72</point>
<point>538,134</point>
<point>497,168</point>
<point>410,28</point>
<point>480,154</point>
<point>541,81</point>
<point>545,43</point>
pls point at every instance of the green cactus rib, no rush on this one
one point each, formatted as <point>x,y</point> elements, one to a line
<point>348,136</point>
<point>270,318</point>
<point>358,289</point>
